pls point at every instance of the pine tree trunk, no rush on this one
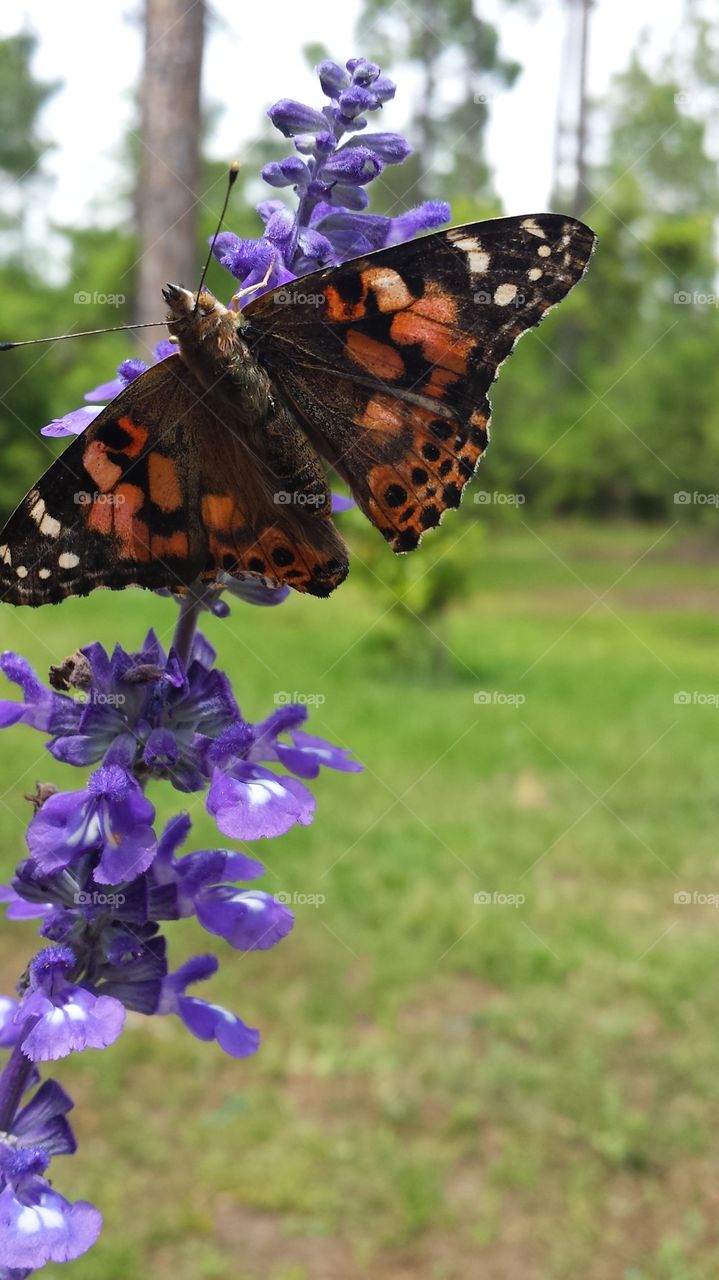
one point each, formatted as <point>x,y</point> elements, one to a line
<point>167,198</point>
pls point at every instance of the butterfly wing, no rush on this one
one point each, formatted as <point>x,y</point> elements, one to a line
<point>387,360</point>
<point>164,488</point>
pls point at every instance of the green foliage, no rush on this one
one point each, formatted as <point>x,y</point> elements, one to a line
<point>612,406</point>
<point>21,100</point>
<point>460,66</point>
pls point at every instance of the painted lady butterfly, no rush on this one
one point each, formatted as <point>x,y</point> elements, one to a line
<point>210,462</point>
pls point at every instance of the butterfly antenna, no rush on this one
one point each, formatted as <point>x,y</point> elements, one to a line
<point>231,179</point>
<point>84,333</point>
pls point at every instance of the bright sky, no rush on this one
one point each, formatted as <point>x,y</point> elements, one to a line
<point>95,48</point>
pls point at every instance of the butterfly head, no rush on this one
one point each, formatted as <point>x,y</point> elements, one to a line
<point>194,318</point>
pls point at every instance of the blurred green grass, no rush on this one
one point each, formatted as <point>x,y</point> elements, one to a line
<point>445,1088</point>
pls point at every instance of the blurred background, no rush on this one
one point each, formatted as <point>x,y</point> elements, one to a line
<point>490,1045</point>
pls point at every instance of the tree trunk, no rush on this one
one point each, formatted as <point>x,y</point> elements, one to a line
<point>167,197</point>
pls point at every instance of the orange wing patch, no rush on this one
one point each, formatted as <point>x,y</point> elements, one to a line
<point>164,482</point>
<point>381,359</point>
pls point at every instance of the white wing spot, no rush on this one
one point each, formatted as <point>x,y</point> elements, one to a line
<point>68,560</point>
<point>21,571</point>
<point>478,261</point>
<point>465,242</point>
<point>478,257</point>
<point>504,294</point>
<point>5,554</point>
<point>37,512</point>
<point>544,250</point>
<point>534,228</point>
<point>44,573</point>
<point>50,526</point>
<point>535,273</point>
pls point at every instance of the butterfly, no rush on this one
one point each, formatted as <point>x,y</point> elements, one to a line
<point>213,464</point>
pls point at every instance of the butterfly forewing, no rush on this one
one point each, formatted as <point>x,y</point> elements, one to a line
<point>388,360</point>
<point>165,487</point>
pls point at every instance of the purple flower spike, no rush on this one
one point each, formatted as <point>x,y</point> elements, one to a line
<point>37,1224</point>
<point>69,1018</point>
<point>331,182</point>
<point>111,816</point>
<point>207,1021</point>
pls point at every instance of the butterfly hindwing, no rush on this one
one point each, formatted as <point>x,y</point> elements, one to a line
<point>165,487</point>
<point>387,360</point>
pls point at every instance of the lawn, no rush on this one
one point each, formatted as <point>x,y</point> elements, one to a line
<point>490,1046</point>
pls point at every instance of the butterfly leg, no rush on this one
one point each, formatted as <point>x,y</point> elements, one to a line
<point>254,288</point>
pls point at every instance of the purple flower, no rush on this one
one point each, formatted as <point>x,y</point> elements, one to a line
<point>41,708</point>
<point>9,1030</point>
<point>37,1224</point>
<point>248,919</point>
<point>69,1018</point>
<point>41,1122</point>
<point>75,422</point>
<point>250,803</point>
<point>305,754</point>
<point>207,1021</point>
<point>110,816</point>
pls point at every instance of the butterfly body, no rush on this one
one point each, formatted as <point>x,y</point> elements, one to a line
<point>212,462</point>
